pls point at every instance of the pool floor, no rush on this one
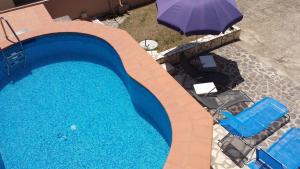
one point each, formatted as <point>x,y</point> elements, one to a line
<point>75,114</point>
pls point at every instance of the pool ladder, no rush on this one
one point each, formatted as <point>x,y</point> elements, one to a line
<point>13,60</point>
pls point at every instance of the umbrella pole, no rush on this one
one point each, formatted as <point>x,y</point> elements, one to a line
<point>197,44</point>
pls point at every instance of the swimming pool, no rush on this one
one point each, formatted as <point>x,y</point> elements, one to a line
<point>74,106</point>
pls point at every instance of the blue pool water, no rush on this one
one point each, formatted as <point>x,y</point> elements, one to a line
<point>74,106</point>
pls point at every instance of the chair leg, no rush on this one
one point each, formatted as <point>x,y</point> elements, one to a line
<point>220,144</point>
<point>235,149</point>
<point>287,118</point>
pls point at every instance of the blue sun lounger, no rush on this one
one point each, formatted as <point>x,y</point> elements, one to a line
<point>254,119</point>
<point>284,154</point>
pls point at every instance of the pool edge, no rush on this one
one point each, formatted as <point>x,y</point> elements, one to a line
<point>191,124</point>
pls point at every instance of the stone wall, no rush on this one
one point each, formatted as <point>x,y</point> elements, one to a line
<point>202,45</point>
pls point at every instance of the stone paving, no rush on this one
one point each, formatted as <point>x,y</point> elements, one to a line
<point>270,31</point>
<point>259,81</point>
<point>219,159</point>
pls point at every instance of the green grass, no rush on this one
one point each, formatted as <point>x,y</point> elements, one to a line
<point>142,24</point>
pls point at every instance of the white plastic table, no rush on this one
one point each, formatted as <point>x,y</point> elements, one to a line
<point>205,88</point>
<point>148,44</point>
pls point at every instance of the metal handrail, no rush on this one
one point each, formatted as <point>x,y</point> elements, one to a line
<point>11,29</point>
<point>7,38</point>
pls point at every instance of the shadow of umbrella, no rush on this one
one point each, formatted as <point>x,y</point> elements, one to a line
<point>225,76</point>
<point>230,68</point>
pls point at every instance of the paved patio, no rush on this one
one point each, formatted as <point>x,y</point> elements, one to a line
<point>256,80</point>
<point>259,81</point>
<point>271,31</point>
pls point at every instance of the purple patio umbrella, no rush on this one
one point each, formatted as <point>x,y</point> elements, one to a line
<point>198,17</point>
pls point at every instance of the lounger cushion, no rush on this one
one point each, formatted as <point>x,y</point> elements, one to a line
<point>232,124</point>
<point>256,118</point>
<point>286,151</point>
